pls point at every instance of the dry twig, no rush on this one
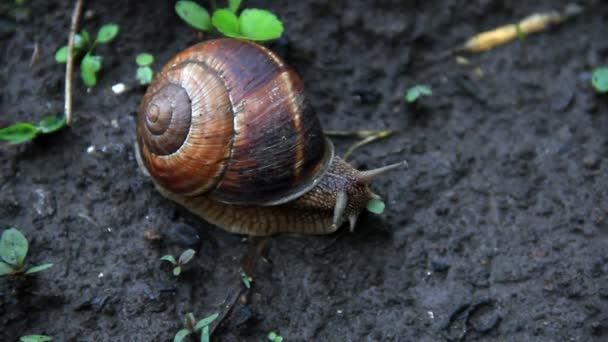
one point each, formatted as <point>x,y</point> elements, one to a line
<point>69,69</point>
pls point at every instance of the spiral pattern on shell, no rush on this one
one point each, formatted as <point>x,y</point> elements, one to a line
<point>228,119</point>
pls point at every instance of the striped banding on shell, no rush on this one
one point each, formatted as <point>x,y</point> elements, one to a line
<point>228,119</point>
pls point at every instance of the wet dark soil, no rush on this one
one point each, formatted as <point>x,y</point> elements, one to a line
<point>497,231</point>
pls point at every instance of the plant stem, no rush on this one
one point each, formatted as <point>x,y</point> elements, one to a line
<point>69,69</point>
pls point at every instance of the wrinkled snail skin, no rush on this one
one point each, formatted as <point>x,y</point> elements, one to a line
<point>226,131</point>
<point>312,213</point>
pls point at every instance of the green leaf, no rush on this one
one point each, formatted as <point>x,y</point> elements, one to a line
<point>193,14</point>
<point>416,91</point>
<point>599,80</point>
<point>205,321</point>
<point>186,256</point>
<point>51,124</point>
<point>375,206</point>
<point>257,24</point>
<point>177,270</point>
<point>179,337</point>
<point>205,334</point>
<point>82,40</point>
<point>234,5</point>
<point>274,337</point>
<point>107,33</point>
<point>144,59</point>
<point>61,55</point>
<point>226,22</point>
<point>169,258</point>
<point>19,133</point>
<point>5,268</point>
<point>89,67</point>
<point>35,338</point>
<point>38,268</point>
<point>144,75</point>
<point>246,280</point>
<point>13,247</point>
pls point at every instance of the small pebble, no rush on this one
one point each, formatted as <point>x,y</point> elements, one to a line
<point>152,235</point>
<point>591,161</point>
<point>119,88</point>
<point>43,202</point>
<point>91,149</point>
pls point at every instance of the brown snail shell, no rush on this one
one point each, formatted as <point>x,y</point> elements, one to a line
<point>238,129</point>
<point>226,130</point>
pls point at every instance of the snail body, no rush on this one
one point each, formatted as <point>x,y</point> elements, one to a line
<point>225,130</point>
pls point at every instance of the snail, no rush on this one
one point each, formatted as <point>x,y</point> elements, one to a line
<point>225,130</point>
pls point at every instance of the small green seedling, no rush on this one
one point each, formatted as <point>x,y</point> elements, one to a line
<point>274,337</point>
<point>183,259</point>
<point>246,279</point>
<point>417,91</point>
<point>25,131</point>
<point>13,250</point>
<point>375,206</point>
<point>35,338</point>
<point>144,72</point>
<point>252,24</point>
<point>599,80</point>
<point>192,326</point>
<point>90,64</point>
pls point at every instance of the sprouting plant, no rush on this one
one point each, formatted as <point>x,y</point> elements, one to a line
<point>252,23</point>
<point>246,279</point>
<point>144,71</point>
<point>35,338</point>
<point>13,250</point>
<point>192,326</point>
<point>25,131</point>
<point>183,259</point>
<point>599,80</point>
<point>417,91</point>
<point>375,206</point>
<point>274,337</point>
<point>84,47</point>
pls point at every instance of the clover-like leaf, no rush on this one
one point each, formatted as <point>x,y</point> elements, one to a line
<point>89,67</point>
<point>205,321</point>
<point>257,24</point>
<point>181,335</point>
<point>186,256</point>
<point>13,247</point>
<point>417,91</point>
<point>107,33</point>
<point>375,206</point>
<point>51,124</point>
<point>144,59</point>
<point>226,22</point>
<point>38,268</point>
<point>177,270</point>
<point>19,133</point>
<point>35,338</point>
<point>193,14</point>
<point>274,337</point>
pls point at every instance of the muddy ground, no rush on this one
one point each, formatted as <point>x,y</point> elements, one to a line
<point>497,231</point>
